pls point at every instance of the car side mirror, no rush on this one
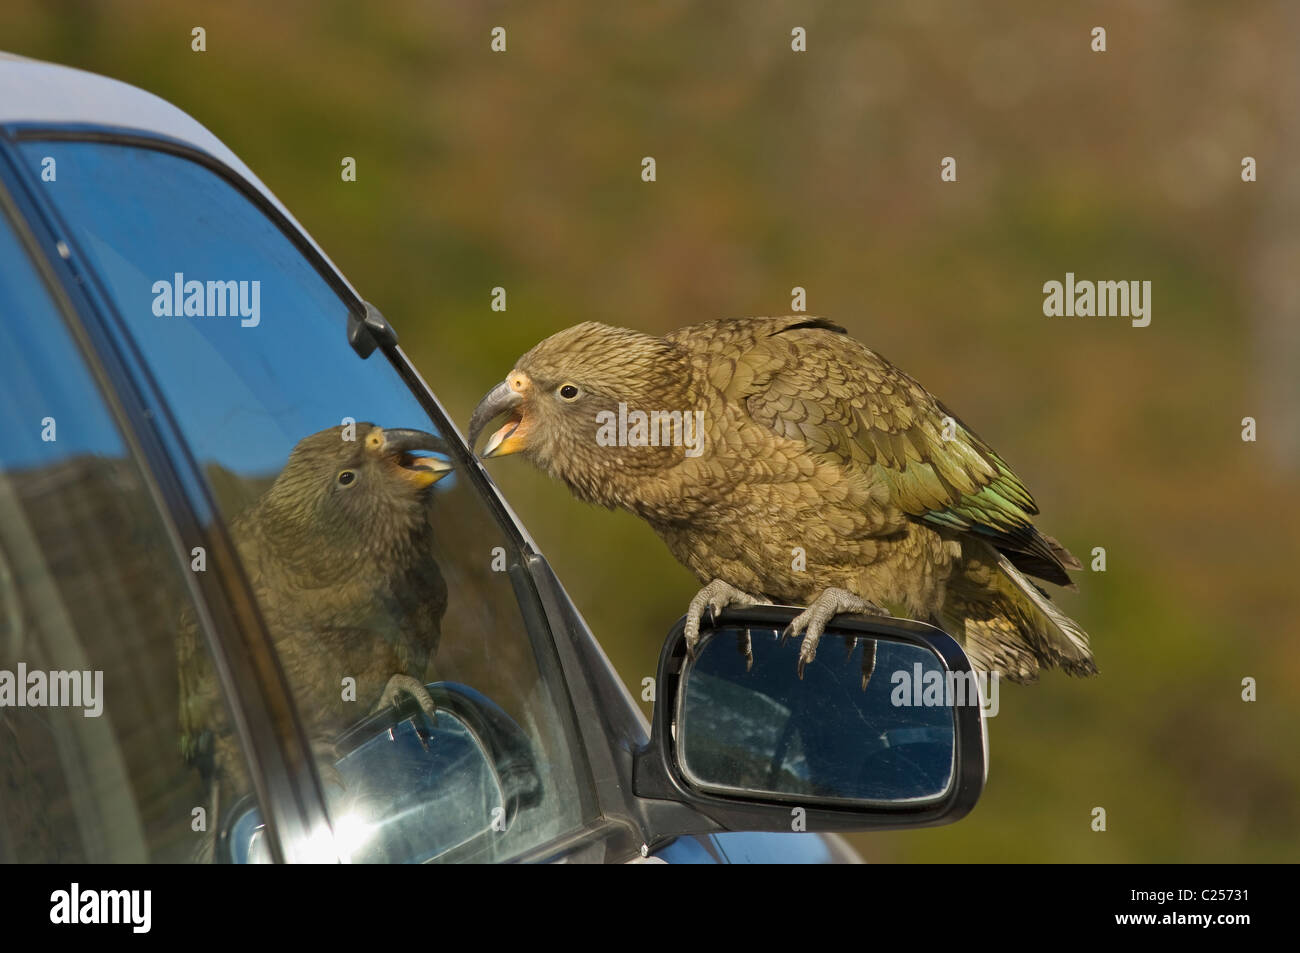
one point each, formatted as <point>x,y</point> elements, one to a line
<point>884,730</point>
<point>409,790</point>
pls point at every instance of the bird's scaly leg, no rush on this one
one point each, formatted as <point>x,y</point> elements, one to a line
<point>812,621</point>
<point>717,595</point>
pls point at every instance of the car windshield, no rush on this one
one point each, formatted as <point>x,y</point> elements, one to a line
<point>386,582</point>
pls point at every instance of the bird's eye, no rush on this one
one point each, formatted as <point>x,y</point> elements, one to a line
<point>568,392</point>
<point>346,478</point>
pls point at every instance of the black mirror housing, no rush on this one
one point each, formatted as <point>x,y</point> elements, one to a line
<point>874,789</point>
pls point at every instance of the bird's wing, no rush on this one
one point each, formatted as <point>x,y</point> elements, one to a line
<point>809,381</point>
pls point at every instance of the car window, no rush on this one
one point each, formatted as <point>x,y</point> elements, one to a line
<point>90,591</point>
<point>377,567</point>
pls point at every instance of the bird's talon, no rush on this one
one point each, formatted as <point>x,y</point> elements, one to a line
<point>808,651</point>
<point>714,598</point>
<point>400,685</point>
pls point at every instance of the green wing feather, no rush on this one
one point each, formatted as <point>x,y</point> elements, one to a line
<point>807,380</point>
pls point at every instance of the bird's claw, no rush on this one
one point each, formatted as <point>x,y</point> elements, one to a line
<point>406,685</point>
<point>813,620</point>
<point>715,597</point>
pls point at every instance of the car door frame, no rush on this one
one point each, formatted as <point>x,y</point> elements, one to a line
<point>607,721</point>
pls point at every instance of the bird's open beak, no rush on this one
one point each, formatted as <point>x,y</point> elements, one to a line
<point>421,471</point>
<point>512,436</point>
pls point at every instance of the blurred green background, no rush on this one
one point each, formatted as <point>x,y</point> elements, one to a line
<point>821,169</point>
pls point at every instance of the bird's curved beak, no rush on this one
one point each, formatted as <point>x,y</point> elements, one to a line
<point>422,471</point>
<point>512,436</point>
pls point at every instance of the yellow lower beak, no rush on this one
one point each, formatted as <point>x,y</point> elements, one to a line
<point>511,438</point>
<point>426,471</point>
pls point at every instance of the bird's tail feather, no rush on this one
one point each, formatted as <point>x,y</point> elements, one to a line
<point>1007,624</point>
<point>1047,559</point>
<point>1067,642</point>
<point>1066,558</point>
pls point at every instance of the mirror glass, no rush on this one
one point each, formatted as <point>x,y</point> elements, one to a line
<point>408,794</point>
<point>872,720</point>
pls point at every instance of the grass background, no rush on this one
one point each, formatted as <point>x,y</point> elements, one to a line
<point>821,169</point>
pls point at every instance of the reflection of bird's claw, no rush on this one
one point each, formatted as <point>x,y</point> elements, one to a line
<point>868,661</point>
<point>716,596</point>
<point>406,685</point>
<point>745,646</point>
<point>421,735</point>
<point>813,620</point>
<point>868,656</point>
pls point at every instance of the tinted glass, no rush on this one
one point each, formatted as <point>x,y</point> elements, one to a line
<point>872,720</point>
<point>365,568</point>
<point>90,593</point>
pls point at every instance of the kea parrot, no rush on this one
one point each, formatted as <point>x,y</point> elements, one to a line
<point>823,476</point>
<point>339,554</point>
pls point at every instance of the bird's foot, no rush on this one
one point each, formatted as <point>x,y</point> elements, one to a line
<point>400,685</point>
<point>813,620</point>
<point>716,596</point>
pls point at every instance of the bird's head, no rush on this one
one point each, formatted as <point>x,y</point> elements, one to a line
<point>355,482</point>
<point>561,393</point>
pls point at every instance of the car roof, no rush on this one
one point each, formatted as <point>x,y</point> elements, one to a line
<point>32,91</point>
